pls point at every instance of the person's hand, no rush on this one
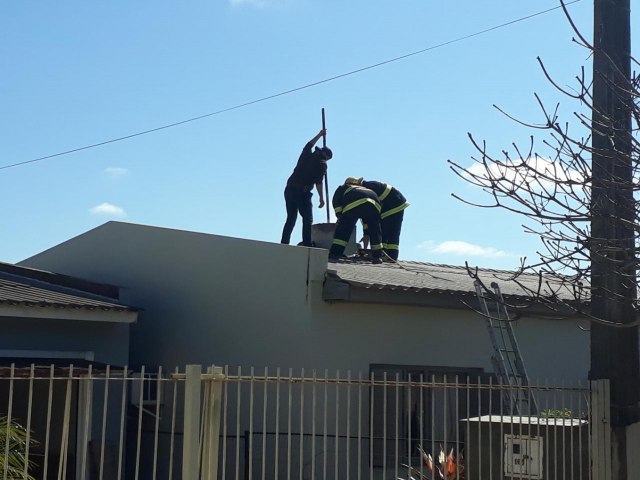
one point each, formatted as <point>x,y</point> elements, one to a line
<point>321,204</point>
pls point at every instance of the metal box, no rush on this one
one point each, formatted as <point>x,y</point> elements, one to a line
<point>526,447</point>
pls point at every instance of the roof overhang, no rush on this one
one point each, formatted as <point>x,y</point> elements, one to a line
<point>66,313</point>
<point>338,290</point>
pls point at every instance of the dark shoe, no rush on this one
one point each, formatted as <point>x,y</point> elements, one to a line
<point>376,260</point>
<point>387,258</point>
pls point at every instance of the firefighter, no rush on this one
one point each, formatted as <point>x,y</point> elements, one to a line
<point>392,204</point>
<point>352,203</point>
<point>309,171</point>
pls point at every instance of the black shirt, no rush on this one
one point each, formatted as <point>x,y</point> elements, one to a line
<point>309,170</point>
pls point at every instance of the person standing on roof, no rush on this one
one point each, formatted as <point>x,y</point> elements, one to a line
<point>309,171</point>
<point>352,203</point>
<point>393,204</point>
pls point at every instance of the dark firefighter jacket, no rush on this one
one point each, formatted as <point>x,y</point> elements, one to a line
<point>348,197</point>
<point>391,200</point>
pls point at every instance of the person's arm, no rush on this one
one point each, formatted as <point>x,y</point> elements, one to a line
<point>315,139</point>
<point>320,194</point>
<point>365,235</point>
<point>336,201</point>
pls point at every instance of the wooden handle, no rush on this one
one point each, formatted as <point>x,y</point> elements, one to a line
<point>326,177</point>
<point>324,137</point>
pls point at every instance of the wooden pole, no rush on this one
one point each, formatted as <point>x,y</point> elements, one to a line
<point>614,351</point>
<point>326,177</point>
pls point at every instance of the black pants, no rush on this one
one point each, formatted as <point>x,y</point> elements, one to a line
<point>370,216</point>
<point>391,227</point>
<point>298,201</point>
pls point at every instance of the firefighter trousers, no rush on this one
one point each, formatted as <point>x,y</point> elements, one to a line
<point>391,227</point>
<point>370,216</point>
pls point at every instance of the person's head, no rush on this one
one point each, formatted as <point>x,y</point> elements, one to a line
<point>325,153</point>
<point>353,181</point>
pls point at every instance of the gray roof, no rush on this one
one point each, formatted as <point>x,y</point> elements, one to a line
<point>21,293</point>
<point>22,286</point>
<point>423,283</point>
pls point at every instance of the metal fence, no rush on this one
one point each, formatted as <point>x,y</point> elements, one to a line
<point>240,424</point>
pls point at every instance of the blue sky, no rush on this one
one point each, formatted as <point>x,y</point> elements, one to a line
<point>77,73</point>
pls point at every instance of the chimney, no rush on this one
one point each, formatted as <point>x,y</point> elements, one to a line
<point>322,235</point>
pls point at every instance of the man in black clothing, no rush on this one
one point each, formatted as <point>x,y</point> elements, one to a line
<point>309,171</point>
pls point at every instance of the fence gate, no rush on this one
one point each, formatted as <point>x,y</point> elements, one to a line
<point>239,424</point>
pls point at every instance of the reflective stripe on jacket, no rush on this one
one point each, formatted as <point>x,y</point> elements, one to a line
<point>348,197</point>
<point>391,198</point>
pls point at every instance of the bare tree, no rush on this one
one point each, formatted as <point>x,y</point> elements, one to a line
<point>578,189</point>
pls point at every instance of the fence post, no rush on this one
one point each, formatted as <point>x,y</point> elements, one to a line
<point>600,430</point>
<point>190,445</point>
<point>211,423</point>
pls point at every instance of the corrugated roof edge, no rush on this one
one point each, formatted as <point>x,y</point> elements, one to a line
<point>451,283</point>
<point>80,284</point>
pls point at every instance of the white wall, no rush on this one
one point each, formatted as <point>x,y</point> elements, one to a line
<point>109,342</point>
<point>211,299</point>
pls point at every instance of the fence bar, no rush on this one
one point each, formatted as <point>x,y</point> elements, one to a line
<point>238,402</point>
<point>337,427</point>
<point>348,420</point>
<point>9,411</point>
<point>301,469</point>
<point>313,423</point>
<point>371,407</point>
<point>64,443</point>
<point>360,426</point>
<point>264,426</point>
<point>277,421</point>
<point>324,425</point>
<point>600,429</point>
<point>211,423</point>
<point>139,434</point>
<point>289,420</point>
<point>190,448</point>
<point>28,433</point>
<point>105,401</point>
<point>225,415</point>
<point>156,429</point>
<point>123,415</point>
<point>48,424</point>
<point>87,388</point>
<point>173,425</point>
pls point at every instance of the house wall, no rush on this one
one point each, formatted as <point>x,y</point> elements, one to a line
<point>109,342</point>
<point>216,300</point>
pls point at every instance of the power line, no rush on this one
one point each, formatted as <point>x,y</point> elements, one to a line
<point>297,89</point>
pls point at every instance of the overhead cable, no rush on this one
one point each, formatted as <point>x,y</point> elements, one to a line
<point>292,90</point>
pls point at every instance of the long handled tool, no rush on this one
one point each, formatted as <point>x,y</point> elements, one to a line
<point>326,177</point>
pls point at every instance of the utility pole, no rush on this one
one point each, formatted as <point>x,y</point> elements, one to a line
<point>614,350</point>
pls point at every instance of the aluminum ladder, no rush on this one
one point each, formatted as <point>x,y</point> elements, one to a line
<point>518,399</point>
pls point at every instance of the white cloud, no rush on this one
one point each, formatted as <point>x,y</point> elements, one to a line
<point>462,249</point>
<point>108,209</point>
<point>116,171</point>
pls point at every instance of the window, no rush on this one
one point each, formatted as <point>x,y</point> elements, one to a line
<point>421,406</point>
